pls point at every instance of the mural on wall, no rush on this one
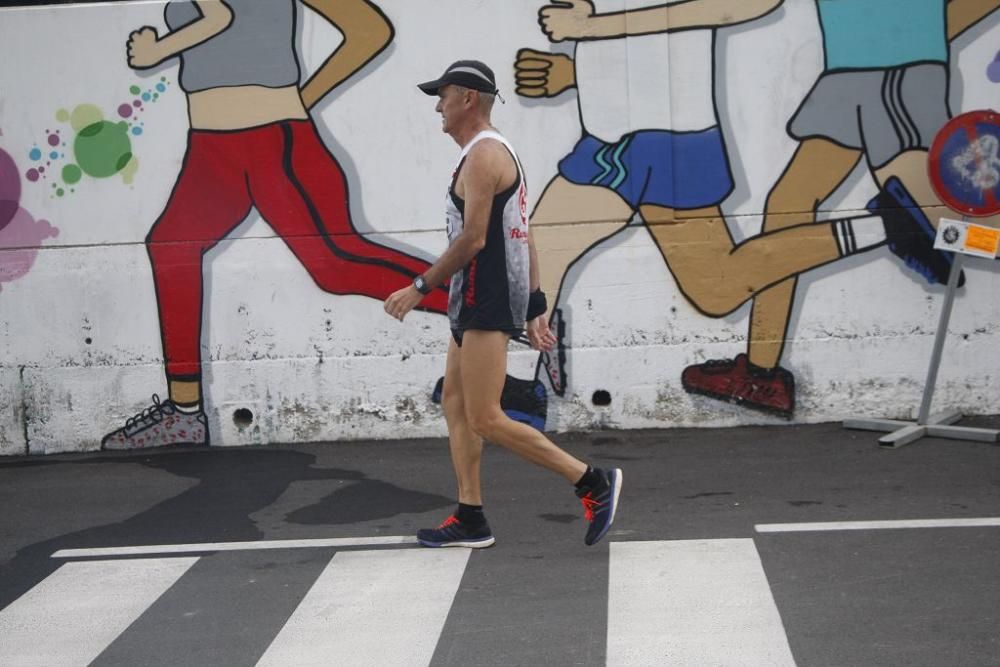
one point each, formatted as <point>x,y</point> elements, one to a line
<point>252,143</point>
<point>882,97</point>
<point>20,234</point>
<point>726,148</point>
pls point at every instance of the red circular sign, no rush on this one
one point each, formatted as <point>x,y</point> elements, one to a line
<point>964,163</point>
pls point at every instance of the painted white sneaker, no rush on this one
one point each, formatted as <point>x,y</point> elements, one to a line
<point>159,425</point>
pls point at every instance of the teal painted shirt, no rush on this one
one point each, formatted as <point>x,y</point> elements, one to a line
<point>869,34</point>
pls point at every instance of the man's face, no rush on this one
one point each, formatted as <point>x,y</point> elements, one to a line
<point>451,105</point>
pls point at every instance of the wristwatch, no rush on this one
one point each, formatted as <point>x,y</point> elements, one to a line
<point>421,285</point>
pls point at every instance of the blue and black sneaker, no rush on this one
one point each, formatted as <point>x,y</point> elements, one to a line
<point>524,401</point>
<point>600,503</point>
<point>454,533</point>
<point>910,234</point>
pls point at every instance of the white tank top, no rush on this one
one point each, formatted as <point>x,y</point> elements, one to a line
<point>497,280</point>
<point>649,82</point>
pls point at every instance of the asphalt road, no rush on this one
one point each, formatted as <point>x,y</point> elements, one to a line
<point>701,566</point>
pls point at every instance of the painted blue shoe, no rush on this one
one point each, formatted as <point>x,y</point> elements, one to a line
<point>524,401</point>
<point>454,533</point>
<point>601,503</point>
<point>910,234</point>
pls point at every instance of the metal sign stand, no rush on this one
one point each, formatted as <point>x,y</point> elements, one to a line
<point>961,143</point>
<point>938,425</point>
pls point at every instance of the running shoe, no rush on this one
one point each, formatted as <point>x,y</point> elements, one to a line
<point>554,362</point>
<point>454,533</point>
<point>600,503</point>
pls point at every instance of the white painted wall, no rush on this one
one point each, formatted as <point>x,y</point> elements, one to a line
<point>79,339</point>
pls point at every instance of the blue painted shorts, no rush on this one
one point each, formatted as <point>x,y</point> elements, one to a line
<point>682,170</point>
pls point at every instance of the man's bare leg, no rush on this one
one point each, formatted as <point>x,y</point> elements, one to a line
<point>483,369</point>
<point>466,447</point>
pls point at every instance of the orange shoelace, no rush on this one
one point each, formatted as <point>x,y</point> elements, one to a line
<point>589,505</point>
<point>447,522</point>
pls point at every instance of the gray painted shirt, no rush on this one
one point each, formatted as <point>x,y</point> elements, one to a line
<point>256,49</point>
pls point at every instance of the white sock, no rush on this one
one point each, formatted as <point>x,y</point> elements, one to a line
<point>856,235</point>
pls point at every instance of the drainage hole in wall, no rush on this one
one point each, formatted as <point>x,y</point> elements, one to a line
<point>88,341</point>
<point>601,398</point>
<point>242,417</point>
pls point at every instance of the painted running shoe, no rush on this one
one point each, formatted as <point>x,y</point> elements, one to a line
<point>454,533</point>
<point>738,381</point>
<point>554,362</point>
<point>524,401</point>
<point>159,425</point>
<point>910,234</point>
<point>601,503</point>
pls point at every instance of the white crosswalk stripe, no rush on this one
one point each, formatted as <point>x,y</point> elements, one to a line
<point>78,610</point>
<point>692,602</point>
<point>372,607</point>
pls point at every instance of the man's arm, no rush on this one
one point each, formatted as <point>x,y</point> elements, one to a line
<point>145,49</point>
<point>481,175</point>
<point>540,336</point>
<point>577,20</point>
<point>963,14</point>
<point>366,32</point>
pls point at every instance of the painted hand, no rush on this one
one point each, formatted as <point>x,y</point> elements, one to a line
<point>566,19</point>
<point>402,301</point>
<point>541,74</point>
<point>540,335</point>
<point>143,49</point>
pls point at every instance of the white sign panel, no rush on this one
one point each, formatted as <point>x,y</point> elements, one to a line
<point>967,238</point>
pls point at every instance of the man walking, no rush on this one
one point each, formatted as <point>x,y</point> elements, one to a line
<point>494,294</point>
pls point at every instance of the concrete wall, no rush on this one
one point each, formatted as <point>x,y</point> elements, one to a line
<point>90,150</point>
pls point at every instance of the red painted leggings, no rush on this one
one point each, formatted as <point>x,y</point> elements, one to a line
<point>286,172</point>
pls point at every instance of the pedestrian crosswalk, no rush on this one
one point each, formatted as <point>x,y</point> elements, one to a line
<point>388,606</point>
<point>71,616</point>
<point>689,602</point>
<point>692,602</point>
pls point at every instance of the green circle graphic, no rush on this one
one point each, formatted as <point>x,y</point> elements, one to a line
<point>103,149</point>
<point>71,174</point>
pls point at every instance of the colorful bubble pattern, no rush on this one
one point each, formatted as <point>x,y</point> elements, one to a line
<point>98,147</point>
<point>993,69</point>
<point>20,234</point>
<point>10,189</point>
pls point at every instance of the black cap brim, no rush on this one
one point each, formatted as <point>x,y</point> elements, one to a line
<point>431,87</point>
<point>470,74</point>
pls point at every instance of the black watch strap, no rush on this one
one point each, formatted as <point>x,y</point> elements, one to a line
<point>421,285</point>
